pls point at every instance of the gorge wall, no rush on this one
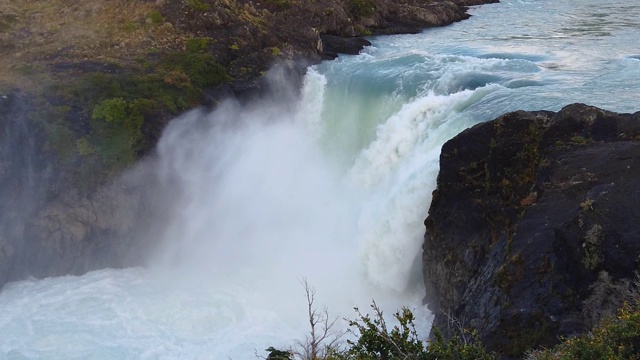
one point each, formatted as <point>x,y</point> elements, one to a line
<point>534,219</point>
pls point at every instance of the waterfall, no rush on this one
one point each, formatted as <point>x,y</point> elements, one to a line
<point>328,183</point>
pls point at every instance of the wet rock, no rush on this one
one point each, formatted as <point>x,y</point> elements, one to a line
<point>332,44</point>
<point>474,2</point>
<point>75,233</point>
<point>21,165</point>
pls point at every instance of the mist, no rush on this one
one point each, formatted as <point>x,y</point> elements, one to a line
<point>254,200</point>
<point>234,210</point>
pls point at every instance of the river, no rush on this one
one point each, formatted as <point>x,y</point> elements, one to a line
<point>330,187</point>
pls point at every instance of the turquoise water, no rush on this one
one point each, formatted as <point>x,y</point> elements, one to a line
<point>333,189</point>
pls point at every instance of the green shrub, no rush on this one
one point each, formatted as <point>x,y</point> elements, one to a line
<point>155,17</point>
<point>130,26</point>
<point>361,8</point>
<point>202,69</point>
<point>84,147</point>
<point>374,340</point>
<point>125,110</point>
<point>457,348</point>
<point>579,140</point>
<point>362,31</point>
<point>592,253</point>
<point>116,130</point>
<point>198,5</point>
<point>275,354</point>
<point>617,338</point>
<point>198,44</point>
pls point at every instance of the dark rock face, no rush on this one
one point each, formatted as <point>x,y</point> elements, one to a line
<point>530,208</point>
<point>22,167</point>
<point>474,2</point>
<point>74,234</point>
<point>412,17</point>
<point>333,45</point>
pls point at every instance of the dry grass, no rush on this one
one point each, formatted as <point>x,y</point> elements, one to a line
<point>38,32</point>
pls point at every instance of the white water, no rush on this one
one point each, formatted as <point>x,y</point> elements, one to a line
<point>332,187</point>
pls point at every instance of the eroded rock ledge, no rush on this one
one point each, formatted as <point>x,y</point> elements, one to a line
<point>531,210</point>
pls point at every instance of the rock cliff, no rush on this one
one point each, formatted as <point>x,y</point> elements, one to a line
<point>533,212</point>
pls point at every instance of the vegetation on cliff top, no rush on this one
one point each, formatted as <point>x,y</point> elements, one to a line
<point>104,77</point>
<point>101,79</point>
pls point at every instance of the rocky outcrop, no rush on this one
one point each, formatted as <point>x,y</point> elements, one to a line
<point>333,45</point>
<point>532,210</point>
<point>259,33</point>
<point>74,233</point>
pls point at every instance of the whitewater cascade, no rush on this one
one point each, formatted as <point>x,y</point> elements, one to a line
<point>261,198</point>
<point>258,203</point>
<point>330,184</point>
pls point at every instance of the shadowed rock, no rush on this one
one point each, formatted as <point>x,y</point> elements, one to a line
<point>529,209</point>
<point>333,45</point>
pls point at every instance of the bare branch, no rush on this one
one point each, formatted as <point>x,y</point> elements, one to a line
<point>322,337</point>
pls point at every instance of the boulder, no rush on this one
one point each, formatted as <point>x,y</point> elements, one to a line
<point>532,210</point>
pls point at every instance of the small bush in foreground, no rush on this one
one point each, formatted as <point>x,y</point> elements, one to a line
<point>617,338</point>
<point>376,341</point>
<point>373,339</point>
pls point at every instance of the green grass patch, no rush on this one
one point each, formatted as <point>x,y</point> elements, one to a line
<point>579,140</point>
<point>202,69</point>
<point>361,8</point>
<point>198,5</point>
<point>198,44</point>
<point>155,17</point>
